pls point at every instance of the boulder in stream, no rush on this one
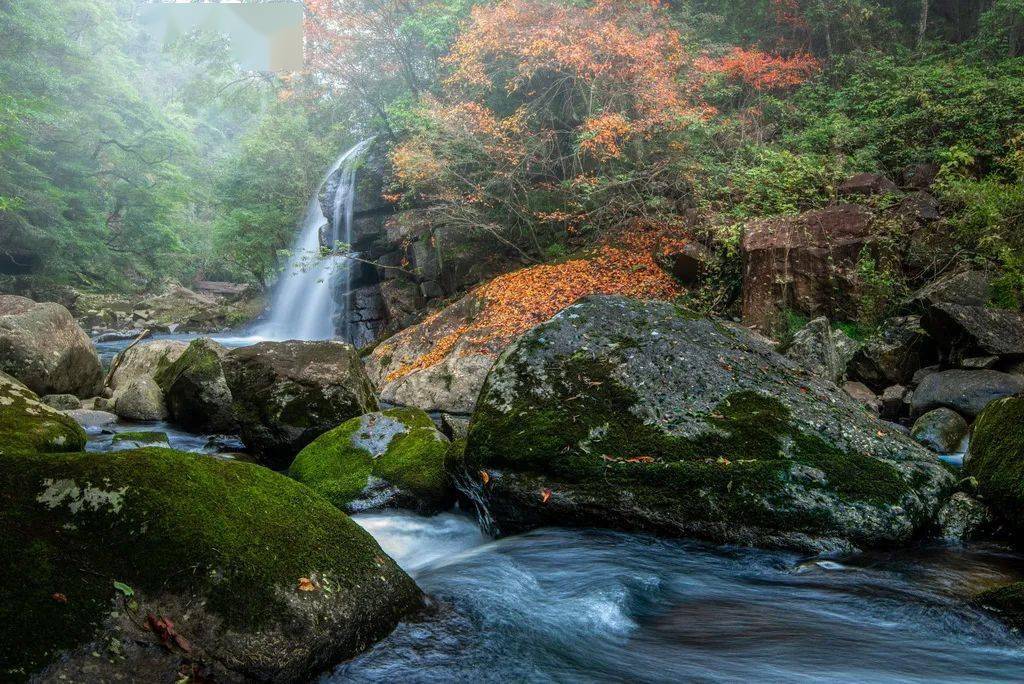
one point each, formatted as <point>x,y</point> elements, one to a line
<point>286,394</point>
<point>965,391</point>
<point>633,415</point>
<point>195,389</point>
<point>143,565</point>
<point>140,399</point>
<point>996,459</point>
<point>942,430</point>
<point>143,359</point>
<point>43,347</point>
<point>394,457</point>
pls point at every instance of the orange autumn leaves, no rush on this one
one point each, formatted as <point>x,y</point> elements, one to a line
<point>624,264</point>
<point>760,70</point>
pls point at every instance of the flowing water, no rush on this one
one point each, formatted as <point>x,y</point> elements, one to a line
<point>303,306</point>
<point>588,605</point>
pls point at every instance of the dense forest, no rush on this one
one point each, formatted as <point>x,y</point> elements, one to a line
<point>538,124</point>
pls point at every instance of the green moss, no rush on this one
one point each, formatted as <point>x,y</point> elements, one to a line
<point>27,425</point>
<point>200,360</point>
<point>140,437</point>
<point>586,434</point>
<point>410,455</point>
<point>997,458</point>
<point>235,535</point>
<point>1007,602</point>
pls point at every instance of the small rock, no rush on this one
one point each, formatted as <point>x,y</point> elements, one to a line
<point>139,439</point>
<point>863,394</point>
<point>962,518</point>
<point>141,399</point>
<point>91,419</point>
<point>967,288</point>
<point>920,206</point>
<point>979,363</point>
<point>920,176</point>
<point>966,392</point>
<point>866,184</point>
<point>823,351</point>
<point>892,355</point>
<point>454,426</point>
<point>942,430</point>
<point>892,402</point>
<point>922,373</point>
<point>62,402</point>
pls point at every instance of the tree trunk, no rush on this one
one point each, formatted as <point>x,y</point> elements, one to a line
<point>922,24</point>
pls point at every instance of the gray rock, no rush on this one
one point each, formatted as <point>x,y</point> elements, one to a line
<point>920,206</point>
<point>62,402</point>
<point>966,392</point>
<point>863,395</point>
<point>43,347</point>
<point>823,351</point>
<point>969,331</point>
<point>91,418</point>
<point>632,415</point>
<point>922,373</point>
<point>967,288</point>
<point>143,359</point>
<point>892,402</point>
<point>688,263</point>
<point>892,355</point>
<point>286,394</point>
<point>195,389</point>
<point>963,518</point>
<point>980,363</point>
<point>140,399</point>
<point>866,184</point>
<point>942,430</point>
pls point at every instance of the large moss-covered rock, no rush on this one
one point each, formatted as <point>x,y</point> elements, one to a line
<point>195,389</point>
<point>996,458</point>
<point>392,457</point>
<point>143,360</point>
<point>633,415</point>
<point>261,578</point>
<point>28,425</point>
<point>42,346</point>
<point>286,394</point>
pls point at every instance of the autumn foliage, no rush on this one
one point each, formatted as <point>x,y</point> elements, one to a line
<point>760,70</point>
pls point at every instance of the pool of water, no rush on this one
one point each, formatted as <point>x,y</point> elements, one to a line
<point>590,605</point>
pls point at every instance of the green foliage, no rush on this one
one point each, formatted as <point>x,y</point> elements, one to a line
<point>781,182</point>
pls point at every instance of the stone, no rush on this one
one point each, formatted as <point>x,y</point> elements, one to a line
<point>805,263</point>
<point>866,184</point>
<point>139,439</point>
<point>389,458</point>
<point>942,430</point>
<point>995,459</point>
<point>892,402</point>
<point>1006,603</point>
<point>62,402</point>
<point>143,359</point>
<point>637,416</point>
<point>140,399</point>
<point>286,394</point>
<point>892,355</point>
<point>262,579</point>
<point>922,373</point>
<point>966,392</point>
<point>91,419</point>
<point>195,389</point>
<point>920,206</point>
<point>962,519</point>
<point>967,288</point>
<point>28,425</point>
<point>821,350</point>
<point>863,395</point>
<point>118,335</point>
<point>454,426</point>
<point>971,331</point>
<point>920,176</point>
<point>431,289</point>
<point>980,363</point>
<point>688,262</point>
<point>43,347</point>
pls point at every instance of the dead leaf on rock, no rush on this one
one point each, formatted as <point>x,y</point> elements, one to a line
<point>306,584</point>
<point>485,477</point>
<point>545,494</point>
<point>60,598</point>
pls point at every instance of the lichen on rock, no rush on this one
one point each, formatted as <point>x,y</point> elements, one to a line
<point>28,425</point>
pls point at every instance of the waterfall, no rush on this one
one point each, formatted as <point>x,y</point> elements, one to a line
<point>303,306</point>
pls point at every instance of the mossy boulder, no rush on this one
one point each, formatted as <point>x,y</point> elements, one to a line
<point>28,425</point>
<point>1007,603</point>
<point>262,579</point>
<point>394,457</point>
<point>634,415</point>
<point>143,360</point>
<point>996,458</point>
<point>43,347</point>
<point>134,439</point>
<point>942,430</point>
<point>286,394</point>
<point>195,390</point>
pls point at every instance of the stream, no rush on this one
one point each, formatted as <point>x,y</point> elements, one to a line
<point>570,605</point>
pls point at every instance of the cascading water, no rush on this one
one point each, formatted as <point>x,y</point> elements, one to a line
<point>303,306</point>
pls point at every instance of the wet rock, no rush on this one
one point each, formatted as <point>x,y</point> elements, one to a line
<point>962,518</point>
<point>996,459</point>
<point>139,439</point>
<point>866,184</point>
<point>28,425</point>
<point>43,347</point>
<point>390,458</point>
<point>823,351</point>
<point>144,359</point>
<point>91,418</point>
<point>892,402</point>
<point>1007,603</point>
<point>893,354</point>
<point>863,395</point>
<point>117,335</point>
<point>804,263</point>
<point>62,402</point>
<point>971,331</point>
<point>195,390</point>
<point>942,430</point>
<point>286,394</point>
<point>980,363</point>
<point>260,577</point>
<point>966,392</point>
<point>140,399</point>
<point>581,421</point>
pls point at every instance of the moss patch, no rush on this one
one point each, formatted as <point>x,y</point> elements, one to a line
<point>997,458</point>
<point>400,446</point>
<point>233,535</point>
<point>27,425</point>
<point>584,433</point>
<point>200,361</point>
<point>139,437</point>
<point>1007,602</point>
